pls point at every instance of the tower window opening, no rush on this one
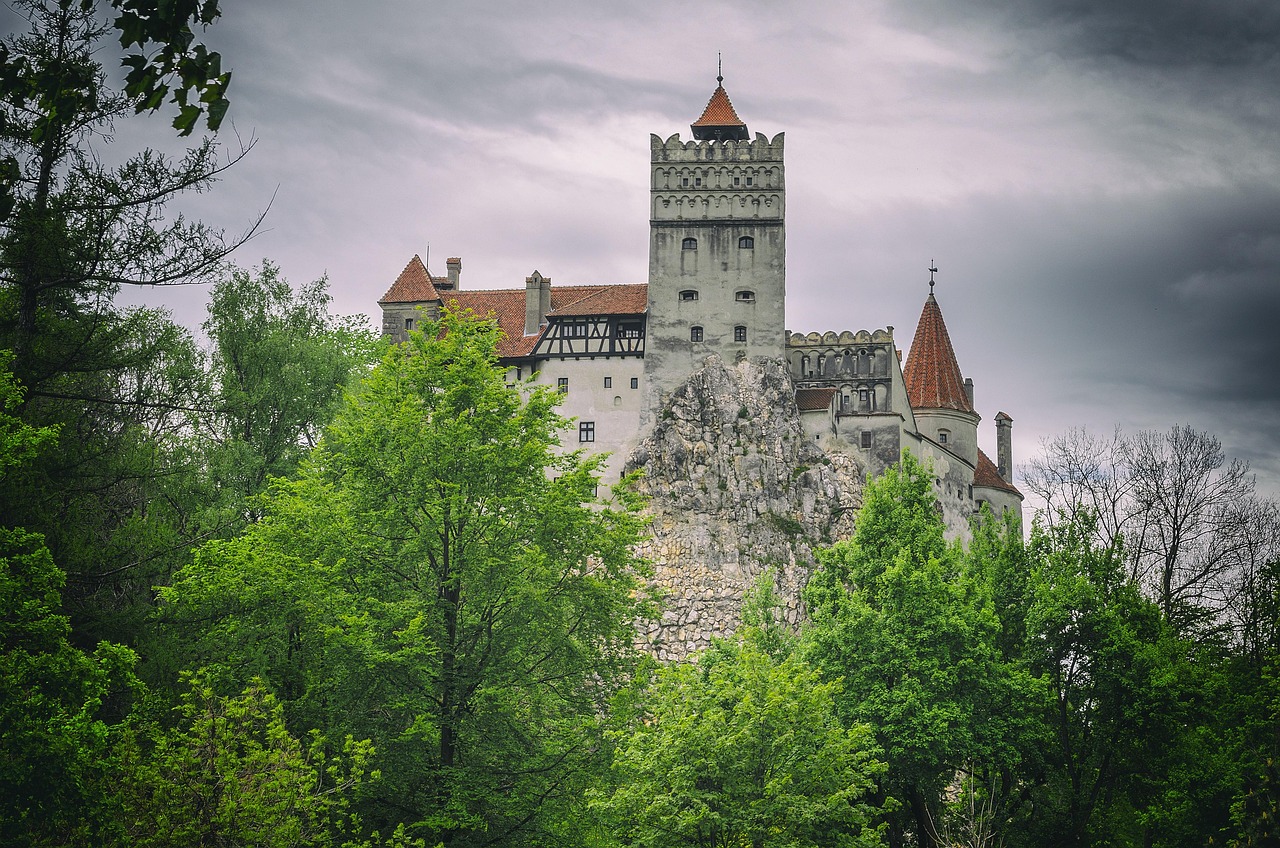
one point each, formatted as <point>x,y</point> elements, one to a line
<point>740,333</point>
<point>943,436</point>
<point>689,294</point>
<point>635,382</point>
<point>746,243</point>
<point>746,297</point>
<point>748,180</point>
<point>608,382</point>
<point>695,334</point>
<point>697,181</point>
<point>689,244</point>
<point>737,180</point>
<point>866,438</point>
<point>684,182</point>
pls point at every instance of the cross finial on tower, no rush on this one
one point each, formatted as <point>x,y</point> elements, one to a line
<point>719,69</point>
<point>932,270</point>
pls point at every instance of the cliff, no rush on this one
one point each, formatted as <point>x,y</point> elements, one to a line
<point>735,488</point>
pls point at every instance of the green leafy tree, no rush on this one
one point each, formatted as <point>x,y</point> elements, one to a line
<point>908,625</point>
<point>230,774</point>
<point>442,580</point>
<point>741,747</point>
<point>280,364</point>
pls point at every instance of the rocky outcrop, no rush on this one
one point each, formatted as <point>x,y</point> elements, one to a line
<point>735,488</point>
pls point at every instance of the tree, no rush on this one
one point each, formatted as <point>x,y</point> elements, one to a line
<point>911,630</point>
<point>440,579</point>
<point>741,747</point>
<point>280,365</point>
<point>1190,520</point>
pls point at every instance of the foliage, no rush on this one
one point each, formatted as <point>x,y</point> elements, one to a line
<point>280,365</point>
<point>230,774</point>
<point>910,628</point>
<point>741,747</point>
<point>440,578</point>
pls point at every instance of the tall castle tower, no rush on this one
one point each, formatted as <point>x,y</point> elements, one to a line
<point>717,248</point>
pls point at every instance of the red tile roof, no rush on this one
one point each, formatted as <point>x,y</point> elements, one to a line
<point>719,112</point>
<point>986,474</point>
<point>507,306</point>
<point>811,399</point>
<point>932,374</point>
<point>414,285</point>
<point>627,299</point>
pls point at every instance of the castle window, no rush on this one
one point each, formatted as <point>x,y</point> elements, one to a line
<point>866,439</point>
<point>695,334</point>
<point>689,244</point>
<point>746,297</point>
<point>586,431</point>
<point>864,395</point>
<point>562,385</point>
<point>608,382</point>
<point>943,435</point>
<point>697,181</point>
<point>688,294</point>
<point>635,382</point>
<point>737,180</point>
<point>746,243</point>
<point>739,333</point>
<point>576,330</point>
<point>628,330</point>
<point>748,180</point>
<point>408,323</point>
<point>684,182</point>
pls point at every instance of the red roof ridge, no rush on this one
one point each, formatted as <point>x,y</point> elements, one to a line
<point>932,373</point>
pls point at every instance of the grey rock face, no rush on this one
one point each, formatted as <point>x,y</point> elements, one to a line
<point>736,488</point>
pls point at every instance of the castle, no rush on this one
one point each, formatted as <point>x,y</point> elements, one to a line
<point>717,285</point>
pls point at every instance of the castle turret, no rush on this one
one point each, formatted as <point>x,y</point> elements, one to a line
<point>717,247</point>
<point>939,395</point>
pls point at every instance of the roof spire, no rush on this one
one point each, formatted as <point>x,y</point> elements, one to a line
<point>719,121</point>
<point>933,269</point>
<point>719,69</point>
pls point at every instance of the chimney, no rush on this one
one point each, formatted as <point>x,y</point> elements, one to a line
<point>454,264</point>
<point>968,391</point>
<point>1004,446</point>
<point>537,297</point>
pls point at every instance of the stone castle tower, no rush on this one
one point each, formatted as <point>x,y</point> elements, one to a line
<point>717,248</point>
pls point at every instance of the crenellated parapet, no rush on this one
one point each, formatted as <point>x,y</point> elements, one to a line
<point>728,150</point>
<point>844,337</point>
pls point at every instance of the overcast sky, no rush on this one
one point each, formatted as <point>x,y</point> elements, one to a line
<point>1098,182</point>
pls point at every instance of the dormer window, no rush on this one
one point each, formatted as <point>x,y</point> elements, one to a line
<point>747,243</point>
<point>688,294</point>
<point>745,297</point>
<point>689,244</point>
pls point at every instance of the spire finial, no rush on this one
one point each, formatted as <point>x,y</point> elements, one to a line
<point>719,69</point>
<point>933,269</point>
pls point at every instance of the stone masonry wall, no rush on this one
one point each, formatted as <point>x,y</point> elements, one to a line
<point>735,488</point>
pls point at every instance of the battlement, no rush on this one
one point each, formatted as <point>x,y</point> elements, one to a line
<point>844,337</point>
<point>761,149</point>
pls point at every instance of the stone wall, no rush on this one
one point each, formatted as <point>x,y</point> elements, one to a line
<point>735,488</point>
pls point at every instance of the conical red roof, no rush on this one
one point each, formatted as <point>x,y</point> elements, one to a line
<point>719,120</point>
<point>932,373</point>
<point>414,285</point>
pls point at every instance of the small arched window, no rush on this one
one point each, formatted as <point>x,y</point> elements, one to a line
<point>689,294</point>
<point>746,297</point>
<point>695,334</point>
<point>740,333</point>
<point>689,244</point>
<point>746,242</point>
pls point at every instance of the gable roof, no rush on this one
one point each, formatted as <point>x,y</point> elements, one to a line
<point>507,307</point>
<point>987,475</point>
<point>414,285</point>
<point>623,299</point>
<point>810,399</point>
<point>932,374</point>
